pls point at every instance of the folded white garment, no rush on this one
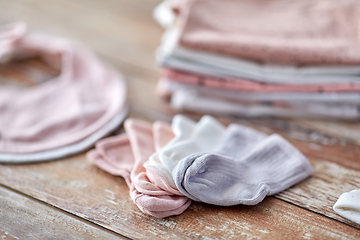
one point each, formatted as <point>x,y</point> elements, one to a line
<point>246,168</point>
<point>192,100</point>
<point>169,86</point>
<point>190,137</point>
<point>348,206</point>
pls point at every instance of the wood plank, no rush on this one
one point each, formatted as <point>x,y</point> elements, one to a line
<point>24,218</point>
<point>320,192</point>
<point>6,236</point>
<point>346,130</point>
<point>82,189</point>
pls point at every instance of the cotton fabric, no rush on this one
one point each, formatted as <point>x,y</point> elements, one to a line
<point>167,86</point>
<point>65,110</point>
<point>65,151</point>
<point>214,62</point>
<point>322,32</point>
<point>199,100</point>
<point>126,155</point>
<point>244,85</point>
<point>171,54</point>
<point>202,161</point>
<point>189,138</point>
<point>247,167</point>
<point>348,206</point>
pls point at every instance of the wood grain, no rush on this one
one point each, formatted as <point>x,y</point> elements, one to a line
<point>346,130</point>
<point>6,236</point>
<point>21,215</point>
<point>83,190</point>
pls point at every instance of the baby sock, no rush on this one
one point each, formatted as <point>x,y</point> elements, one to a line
<point>348,206</point>
<point>113,155</point>
<point>247,167</point>
<point>162,135</point>
<point>182,127</point>
<point>116,156</point>
<point>190,138</point>
<point>149,197</point>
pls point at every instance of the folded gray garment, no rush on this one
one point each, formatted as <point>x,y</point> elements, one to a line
<point>72,149</point>
<point>247,167</point>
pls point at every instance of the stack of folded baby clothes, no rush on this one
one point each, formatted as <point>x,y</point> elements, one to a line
<point>167,166</point>
<point>254,58</point>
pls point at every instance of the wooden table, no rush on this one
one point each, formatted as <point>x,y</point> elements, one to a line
<point>72,199</point>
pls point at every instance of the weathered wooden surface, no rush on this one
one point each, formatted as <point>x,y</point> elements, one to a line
<point>124,34</point>
<point>6,236</point>
<point>20,215</point>
<point>347,130</point>
<point>84,190</point>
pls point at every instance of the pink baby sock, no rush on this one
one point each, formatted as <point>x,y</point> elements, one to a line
<point>149,197</point>
<point>114,155</point>
<point>162,135</point>
<point>117,156</point>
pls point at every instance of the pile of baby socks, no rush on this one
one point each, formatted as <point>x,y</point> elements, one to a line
<point>165,166</point>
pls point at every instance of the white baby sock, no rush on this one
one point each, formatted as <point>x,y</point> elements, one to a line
<point>190,137</point>
<point>182,128</point>
<point>348,206</point>
<point>247,167</point>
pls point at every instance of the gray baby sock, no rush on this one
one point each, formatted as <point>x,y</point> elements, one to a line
<point>247,167</point>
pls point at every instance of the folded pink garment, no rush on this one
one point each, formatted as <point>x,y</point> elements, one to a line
<point>245,85</point>
<point>125,156</point>
<point>61,111</point>
<point>300,32</point>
